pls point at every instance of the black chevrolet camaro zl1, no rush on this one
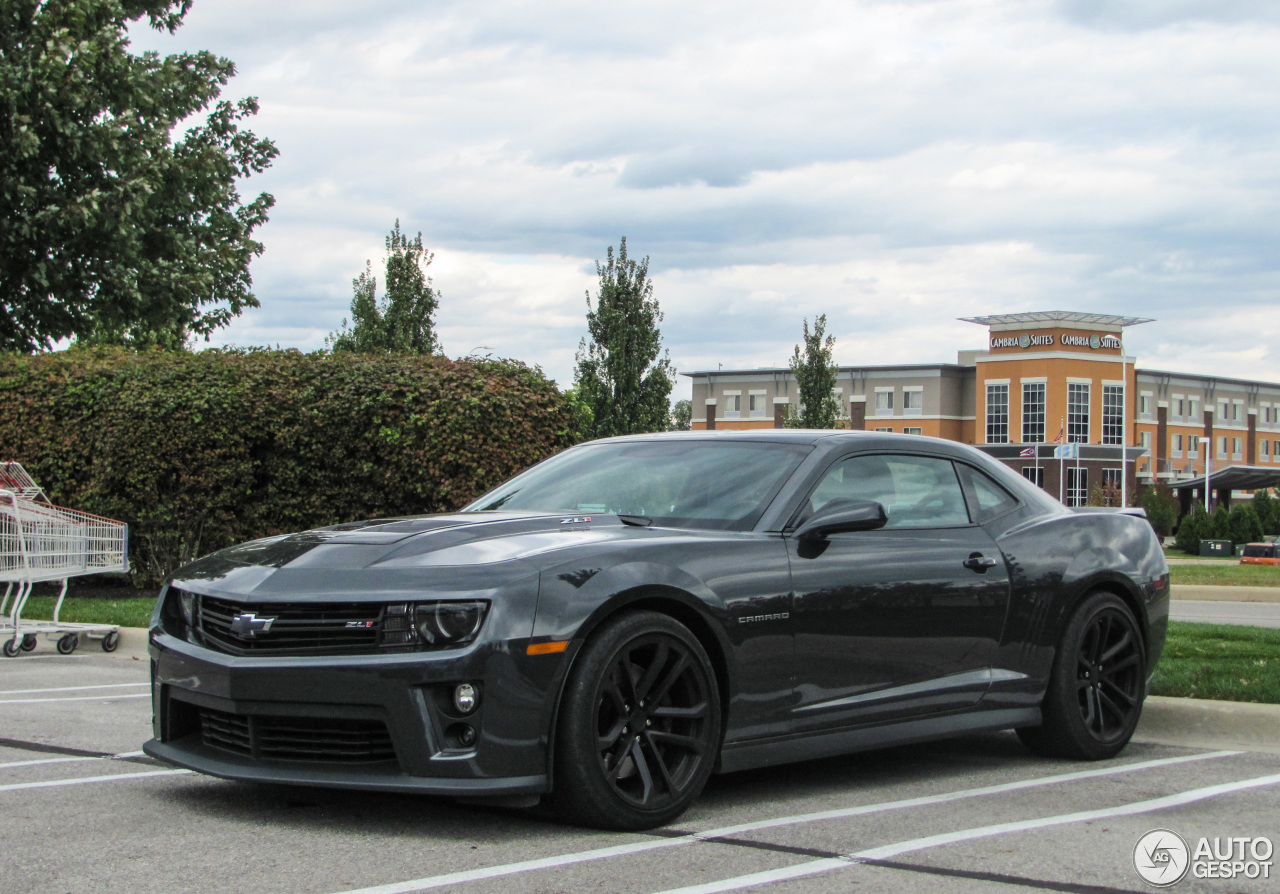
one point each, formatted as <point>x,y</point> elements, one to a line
<point>612,626</point>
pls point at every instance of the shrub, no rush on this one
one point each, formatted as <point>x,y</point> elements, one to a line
<point>1245,526</point>
<point>1219,527</point>
<point>1192,529</point>
<point>199,451</point>
<point>1265,505</point>
<point>1161,507</point>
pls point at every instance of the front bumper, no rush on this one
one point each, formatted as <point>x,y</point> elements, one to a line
<point>285,705</point>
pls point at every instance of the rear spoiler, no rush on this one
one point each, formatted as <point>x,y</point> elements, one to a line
<point>1136,511</point>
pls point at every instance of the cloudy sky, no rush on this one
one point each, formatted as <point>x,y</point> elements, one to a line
<point>893,165</point>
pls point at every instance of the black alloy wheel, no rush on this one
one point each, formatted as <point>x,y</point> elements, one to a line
<point>1095,693</point>
<point>639,725</point>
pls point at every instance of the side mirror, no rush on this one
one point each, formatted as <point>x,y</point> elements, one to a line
<point>842,515</point>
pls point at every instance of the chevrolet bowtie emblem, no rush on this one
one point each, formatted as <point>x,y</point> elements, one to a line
<point>249,625</point>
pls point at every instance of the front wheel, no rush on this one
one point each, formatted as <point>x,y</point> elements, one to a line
<point>639,725</point>
<point>1097,686</point>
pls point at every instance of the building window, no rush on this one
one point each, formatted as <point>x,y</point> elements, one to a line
<point>1112,414</point>
<point>1077,413</point>
<point>1224,410</point>
<point>1266,451</point>
<point>1193,446</point>
<point>1177,446</point>
<point>755,404</point>
<point>1033,413</point>
<point>997,414</point>
<point>1235,448</point>
<point>1144,406</point>
<point>884,403</point>
<point>1237,410</point>
<point>1178,406</point>
<point>732,406</point>
<point>1144,440</point>
<point>1275,450</point>
<point>1222,446</point>
<point>1034,474</point>
<point>912,401</point>
<point>1111,477</point>
<point>886,428</point>
<point>1077,486</point>
<point>909,430</point>
<point>1195,408</point>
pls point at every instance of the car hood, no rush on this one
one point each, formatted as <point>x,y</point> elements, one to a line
<point>463,540</point>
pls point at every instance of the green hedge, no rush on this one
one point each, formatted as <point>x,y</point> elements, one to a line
<point>199,451</point>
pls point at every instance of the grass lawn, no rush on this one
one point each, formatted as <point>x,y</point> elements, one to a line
<point>1226,575</point>
<point>134,612</point>
<point>1238,664</point>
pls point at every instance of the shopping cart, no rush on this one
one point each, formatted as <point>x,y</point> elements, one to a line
<point>42,542</point>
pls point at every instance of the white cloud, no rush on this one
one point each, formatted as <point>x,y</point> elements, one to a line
<point>894,165</point>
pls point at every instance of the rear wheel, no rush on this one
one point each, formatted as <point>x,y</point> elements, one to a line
<point>639,725</point>
<point>1095,693</point>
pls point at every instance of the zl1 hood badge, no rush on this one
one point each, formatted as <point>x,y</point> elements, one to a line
<point>576,520</point>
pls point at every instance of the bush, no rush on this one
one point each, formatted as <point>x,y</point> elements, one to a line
<point>1219,524</point>
<point>1268,512</point>
<point>1161,507</point>
<point>1245,526</point>
<point>1192,529</point>
<point>199,451</point>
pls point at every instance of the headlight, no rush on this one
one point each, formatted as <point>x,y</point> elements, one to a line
<point>448,623</point>
<point>187,602</point>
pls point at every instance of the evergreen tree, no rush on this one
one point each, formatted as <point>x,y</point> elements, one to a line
<point>110,230</point>
<point>815,374</point>
<point>1245,526</point>
<point>682,415</point>
<point>623,374</point>
<point>1192,529</point>
<point>401,323</point>
<point>1265,505</point>
<point>1219,524</point>
<point>1161,507</point>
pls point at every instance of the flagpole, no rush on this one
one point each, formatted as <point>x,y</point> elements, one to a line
<point>1124,424</point>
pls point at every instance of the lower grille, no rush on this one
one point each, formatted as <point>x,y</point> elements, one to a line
<point>297,738</point>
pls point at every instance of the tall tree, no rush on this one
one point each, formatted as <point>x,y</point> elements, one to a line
<point>623,374</point>
<point>682,415</point>
<point>815,374</point>
<point>401,323</point>
<point>109,230</point>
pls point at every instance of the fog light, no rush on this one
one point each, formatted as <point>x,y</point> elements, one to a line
<point>465,699</point>
<point>466,735</point>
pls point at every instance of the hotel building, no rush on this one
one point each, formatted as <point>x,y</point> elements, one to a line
<point>1054,397</point>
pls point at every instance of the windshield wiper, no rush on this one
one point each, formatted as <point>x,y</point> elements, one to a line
<point>639,521</point>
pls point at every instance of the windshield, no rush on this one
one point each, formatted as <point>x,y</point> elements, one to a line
<point>681,483</point>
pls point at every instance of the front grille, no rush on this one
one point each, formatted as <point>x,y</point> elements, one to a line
<point>303,628</point>
<point>297,738</point>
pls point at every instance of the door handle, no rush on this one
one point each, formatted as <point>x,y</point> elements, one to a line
<point>979,563</point>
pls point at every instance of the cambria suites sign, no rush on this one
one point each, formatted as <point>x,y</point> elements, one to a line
<point>1093,342</point>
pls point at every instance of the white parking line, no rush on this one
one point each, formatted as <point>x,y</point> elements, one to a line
<point>51,783</point>
<point>67,760</point>
<point>887,851</point>
<point>454,878</point>
<point>74,698</point>
<point>5,692</point>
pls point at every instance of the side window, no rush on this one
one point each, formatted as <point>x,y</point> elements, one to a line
<point>993,500</point>
<point>916,491</point>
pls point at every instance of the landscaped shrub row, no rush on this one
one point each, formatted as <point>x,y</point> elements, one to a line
<point>198,451</point>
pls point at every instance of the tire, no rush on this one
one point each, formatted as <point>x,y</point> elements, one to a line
<point>67,644</point>
<point>29,642</point>
<point>11,648</point>
<point>639,725</point>
<point>1097,685</point>
<point>111,641</point>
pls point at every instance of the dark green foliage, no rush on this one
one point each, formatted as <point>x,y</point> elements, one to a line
<point>199,451</point>
<point>1219,524</point>
<point>1161,507</point>
<point>1245,526</point>
<point>1268,511</point>
<point>623,374</point>
<point>815,374</point>
<point>401,323</point>
<point>1193,529</point>
<point>109,231</point>
<point>682,415</point>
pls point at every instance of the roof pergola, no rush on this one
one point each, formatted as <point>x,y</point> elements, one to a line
<point>1056,316</point>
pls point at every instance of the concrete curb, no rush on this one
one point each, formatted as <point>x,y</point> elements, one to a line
<point>1225,594</point>
<point>1206,723</point>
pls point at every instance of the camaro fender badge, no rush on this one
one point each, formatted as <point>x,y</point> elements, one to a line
<point>776,616</point>
<point>576,520</point>
<point>250,625</point>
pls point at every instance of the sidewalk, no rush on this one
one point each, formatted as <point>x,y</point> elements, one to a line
<point>1225,594</point>
<point>1205,723</point>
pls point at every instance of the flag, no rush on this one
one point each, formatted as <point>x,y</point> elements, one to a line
<point>1058,439</point>
<point>1030,451</point>
<point>1066,451</point>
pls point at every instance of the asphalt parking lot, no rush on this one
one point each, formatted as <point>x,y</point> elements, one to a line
<point>82,811</point>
